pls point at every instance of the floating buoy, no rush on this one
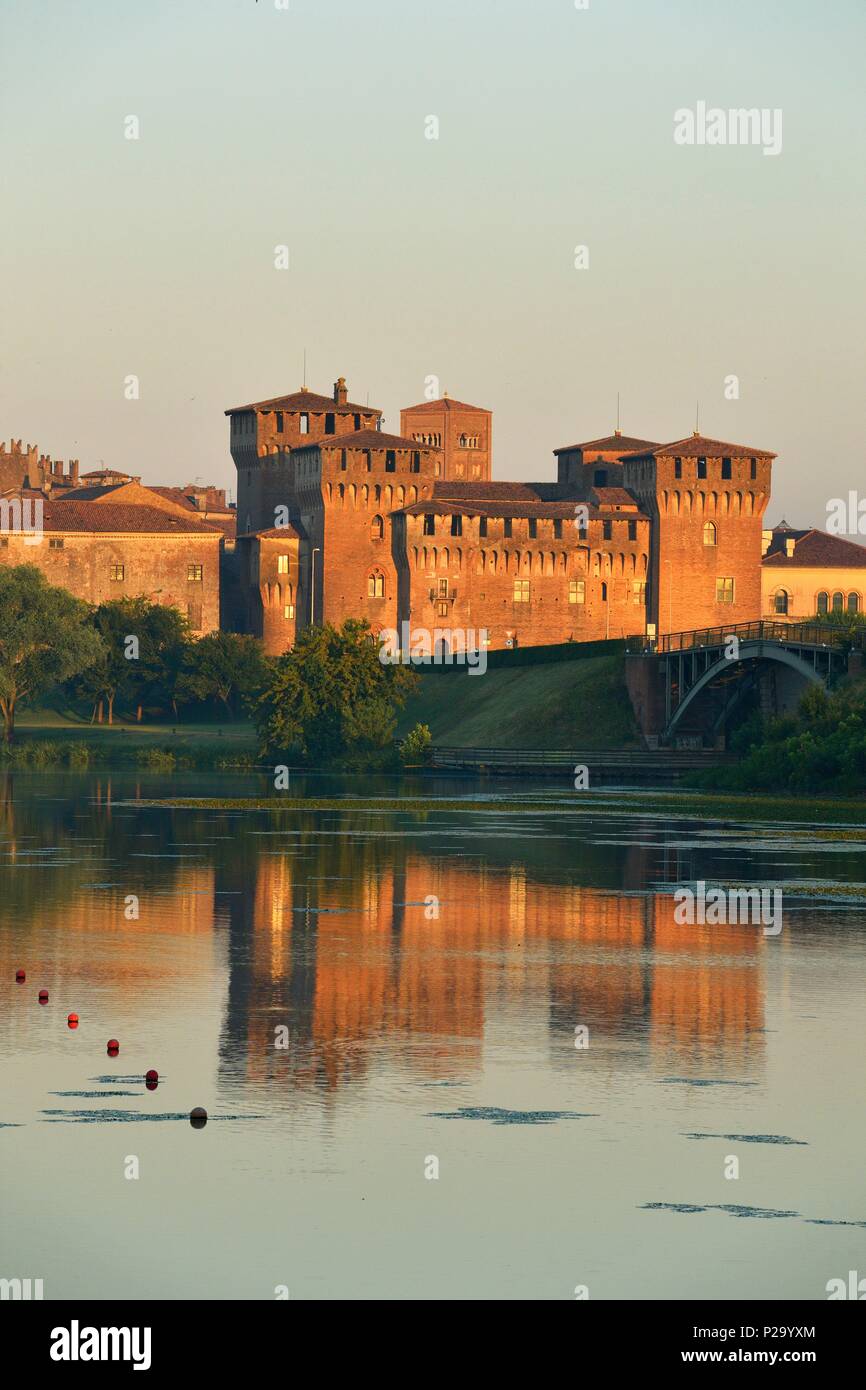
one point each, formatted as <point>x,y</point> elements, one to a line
<point>152,1076</point>
<point>72,1020</point>
<point>198,1117</point>
<point>43,996</point>
<point>20,976</point>
<point>113,1045</point>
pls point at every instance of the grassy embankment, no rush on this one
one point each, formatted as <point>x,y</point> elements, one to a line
<point>52,738</point>
<point>579,704</point>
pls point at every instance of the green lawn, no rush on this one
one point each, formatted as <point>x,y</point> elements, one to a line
<point>565,704</point>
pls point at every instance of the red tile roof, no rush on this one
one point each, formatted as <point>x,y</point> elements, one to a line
<point>551,510</point>
<point>818,550</point>
<point>77,516</point>
<point>470,492</point>
<point>287,532</point>
<point>366,439</point>
<point>445,403</point>
<point>699,446</point>
<point>609,445</point>
<point>614,497</point>
<point>307,401</point>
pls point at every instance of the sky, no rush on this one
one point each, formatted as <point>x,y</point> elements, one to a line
<point>412,257</point>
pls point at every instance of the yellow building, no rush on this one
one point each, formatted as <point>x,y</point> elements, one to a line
<point>804,573</point>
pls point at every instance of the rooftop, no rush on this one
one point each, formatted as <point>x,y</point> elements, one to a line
<point>611,444</point>
<point>308,401</point>
<point>699,446</point>
<point>816,550</point>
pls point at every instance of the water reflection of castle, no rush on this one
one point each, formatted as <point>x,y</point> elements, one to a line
<point>332,930</point>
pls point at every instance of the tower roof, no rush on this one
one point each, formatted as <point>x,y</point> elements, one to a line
<point>699,446</point>
<point>444,403</point>
<point>305,400</point>
<point>616,442</point>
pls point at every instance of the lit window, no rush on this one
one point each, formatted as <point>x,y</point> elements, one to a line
<point>289,610</point>
<point>638,592</point>
<point>376,586</point>
<point>724,590</point>
<point>521,591</point>
<point>709,533</point>
<point>194,574</point>
<point>305,424</point>
<point>442,609</point>
<point>116,574</point>
<point>282,564</point>
<point>577,591</point>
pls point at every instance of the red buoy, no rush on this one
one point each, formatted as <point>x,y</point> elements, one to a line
<point>152,1075</point>
<point>198,1117</point>
<point>20,976</point>
<point>113,1045</point>
<point>72,1020</point>
<point>43,996</point>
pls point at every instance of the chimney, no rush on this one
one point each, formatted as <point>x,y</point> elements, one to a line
<point>340,393</point>
<point>790,543</point>
<point>73,470</point>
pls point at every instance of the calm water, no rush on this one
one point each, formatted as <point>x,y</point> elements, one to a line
<point>416,1038</point>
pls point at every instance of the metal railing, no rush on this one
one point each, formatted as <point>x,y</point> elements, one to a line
<point>790,634</point>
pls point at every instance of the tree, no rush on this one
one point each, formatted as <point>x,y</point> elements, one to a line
<point>144,646</point>
<point>331,695</point>
<point>224,666</point>
<point>45,638</point>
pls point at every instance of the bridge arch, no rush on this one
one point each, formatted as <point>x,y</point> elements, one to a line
<point>752,653</point>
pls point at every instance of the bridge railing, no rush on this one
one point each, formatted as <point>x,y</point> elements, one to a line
<point>801,634</point>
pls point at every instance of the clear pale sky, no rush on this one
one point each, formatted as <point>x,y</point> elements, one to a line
<point>412,257</point>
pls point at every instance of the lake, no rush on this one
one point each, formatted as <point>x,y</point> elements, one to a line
<point>444,1054</point>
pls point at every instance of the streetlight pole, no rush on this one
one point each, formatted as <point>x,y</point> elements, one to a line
<point>315,552</point>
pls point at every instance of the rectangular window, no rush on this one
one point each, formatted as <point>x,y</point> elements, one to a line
<point>482,526</point>
<point>442,610</point>
<point>305,424</point>
<point>4,542</point>
<point>638,592</point>
<point>521,591</point>
<point>194,574</point>
<point>557,529</point>
<point>457,526</point>
<point>678,468</point>
<point>702,468</point>
<point>726,468</point>
<point>282,564</point>
<point>193,613</point>
<point>55,544</point>
<point>429,525</point>
<point>279,422</point>
<point>116,574</point>
<point>329,424</point>
<point>577,591</point>
<point>368,459</point>
<point>289,610</point>
<point>599,477</point>
<point>357,421</point>
<point>632,530</point>
<point>344,460</point>
<point>607,530</point>
<point>416,462</point>
<point>506,526</point>
<point>533,528</point>
<point>724,591</point>
<point>390,460</point>
<point>753,467</point>
<point>443,588</point>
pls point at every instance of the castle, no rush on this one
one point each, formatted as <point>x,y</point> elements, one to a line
<point>338,519</point>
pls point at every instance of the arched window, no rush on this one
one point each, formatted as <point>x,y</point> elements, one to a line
<point>377,528</point>
<point>709,533</point>
<point>821,604</point>
<point>780,602</point>
<point>376,585</point>
<point>853,603</point>
<point>604,593</point>
<point>838,602</point>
